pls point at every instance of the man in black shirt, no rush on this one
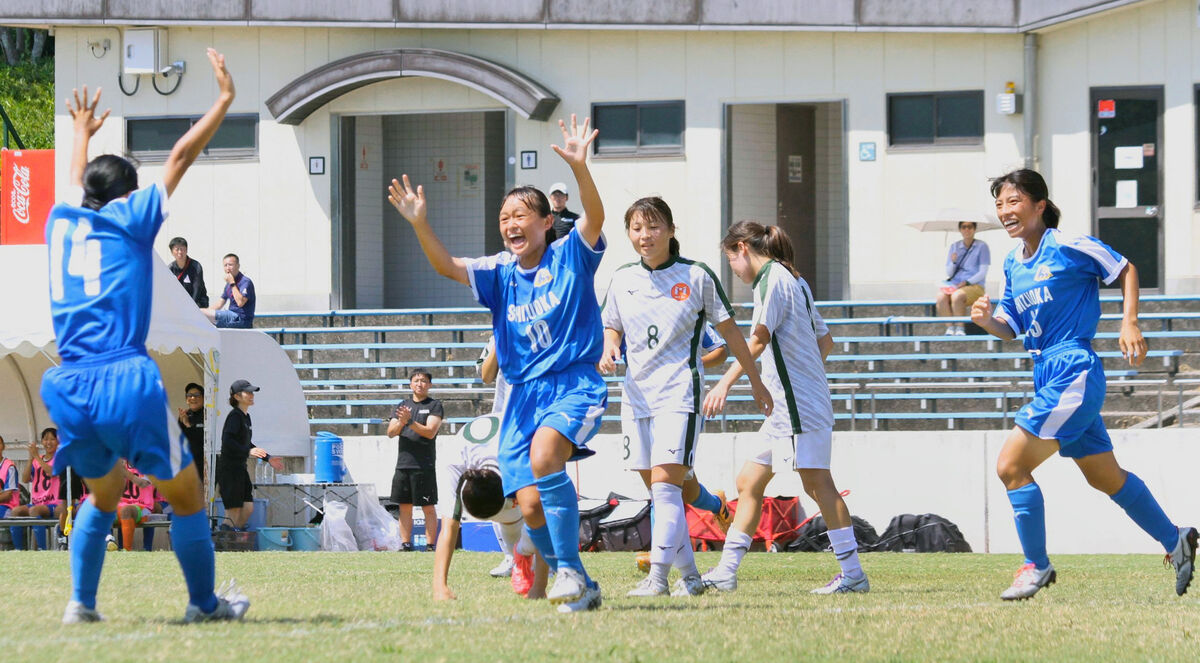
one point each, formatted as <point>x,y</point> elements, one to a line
<point>188,272</point>
<point>416,421</point>
<point>191,421</point>
<point>564,219</point>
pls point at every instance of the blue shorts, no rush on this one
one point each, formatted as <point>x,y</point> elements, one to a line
<point>1070,384</point>
<point>569,401</point>
<point>113,406</point>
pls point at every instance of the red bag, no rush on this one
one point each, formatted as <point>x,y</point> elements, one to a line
<point>779,524</point>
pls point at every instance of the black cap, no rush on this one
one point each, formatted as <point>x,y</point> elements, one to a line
<point>240,386</point>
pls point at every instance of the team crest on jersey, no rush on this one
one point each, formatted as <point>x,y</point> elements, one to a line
<point>681,291</point>
<point>542,278</point>
<point>1042,273</point>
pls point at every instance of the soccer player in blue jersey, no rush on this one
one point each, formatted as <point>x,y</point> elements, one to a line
<point>107,396</point>
<point>546,322</point>
<point>1051,296</point>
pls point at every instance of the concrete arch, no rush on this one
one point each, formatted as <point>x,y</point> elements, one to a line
<point>299,98</point>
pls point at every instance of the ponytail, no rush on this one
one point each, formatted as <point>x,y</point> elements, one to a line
<point>654,208</point>
<point>767,241</point>
<point>106,178</point>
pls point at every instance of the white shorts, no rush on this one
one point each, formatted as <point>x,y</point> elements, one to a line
<point>664,439</point>
<point>806,451</point>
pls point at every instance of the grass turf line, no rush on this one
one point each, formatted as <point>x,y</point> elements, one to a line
<point>377,606</point>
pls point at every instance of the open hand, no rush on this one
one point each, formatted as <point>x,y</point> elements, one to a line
<point>714,402</point>
<point>84,113</point>
<point>224,80</point>
<point>408,201</point>
<point>576,141</point>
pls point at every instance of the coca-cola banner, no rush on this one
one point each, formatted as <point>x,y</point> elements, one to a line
<point>26,195</point>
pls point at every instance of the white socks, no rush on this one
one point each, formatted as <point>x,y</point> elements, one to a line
<point>669,517</point>
<point>506,544</point>
<point>513,538</point>
<point>736,545</point>
<point>845,548</point>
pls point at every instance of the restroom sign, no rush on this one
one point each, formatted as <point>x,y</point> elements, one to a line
<point>440,173</point>
<point>1106,109</point>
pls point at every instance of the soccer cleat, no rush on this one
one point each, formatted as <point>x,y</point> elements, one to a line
<point>1028,580</point>
<point>843,584</point>
<point>503,569</point>
<point>231,606</point>
<point>643,561</point>
<point>110,542</point>
<point>724,520</point>
<point>648,587</point>
<point>1183,559</point>
<point>689,585</point>
<point>720,581</point>
<point>569,586</point>
<point>77,613</point>
<point>522,573</point>
<point>588,600</point>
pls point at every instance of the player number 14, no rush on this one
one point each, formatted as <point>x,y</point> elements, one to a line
<point>84,261</point>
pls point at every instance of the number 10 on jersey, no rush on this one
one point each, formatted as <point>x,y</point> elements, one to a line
<point>539,336</point>
<point>84,261</point>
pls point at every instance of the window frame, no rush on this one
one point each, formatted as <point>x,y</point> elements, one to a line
<point>640,150</point>
<point>209,153</point>
<point>955,141</point>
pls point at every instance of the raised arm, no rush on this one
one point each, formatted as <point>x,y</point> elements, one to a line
<point>574,152</point>
<point>410,203</point>
<point>189,146</point>
<point>83,114</point>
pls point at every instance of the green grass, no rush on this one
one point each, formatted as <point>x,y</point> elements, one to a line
<point>27,94</point>
<point>377,606</point>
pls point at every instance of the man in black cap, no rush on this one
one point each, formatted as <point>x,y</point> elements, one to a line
<point>237,446</point>
<point>191,421</point>
<point>564,219</point>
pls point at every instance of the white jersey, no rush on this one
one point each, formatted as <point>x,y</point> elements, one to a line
<point>792,367</point>
<point>662,315</point>
<point>474,448</point>
<point>500,397</point>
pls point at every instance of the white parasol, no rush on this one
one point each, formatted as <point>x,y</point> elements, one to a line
<point>947,220</point>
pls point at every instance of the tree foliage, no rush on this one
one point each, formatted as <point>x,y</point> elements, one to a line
<point>27,96</point>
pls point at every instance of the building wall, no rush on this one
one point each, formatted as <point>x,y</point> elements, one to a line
<point>278,217</point>
<point>370,192</point>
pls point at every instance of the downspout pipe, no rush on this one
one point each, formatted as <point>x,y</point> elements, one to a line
<point>1029,110</point>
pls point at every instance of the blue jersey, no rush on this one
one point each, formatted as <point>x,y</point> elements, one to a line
<point>101,266</point>
<point>1054,296</point>
<point>546,318</point>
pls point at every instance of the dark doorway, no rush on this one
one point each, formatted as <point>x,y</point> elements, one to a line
<point>1127,174</point>
<point>795,156</point>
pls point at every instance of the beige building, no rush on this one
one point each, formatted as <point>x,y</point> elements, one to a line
<point>839,120</point>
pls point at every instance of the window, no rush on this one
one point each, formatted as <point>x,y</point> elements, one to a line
<point>151,139</point>
<point>936,118</point>
<point>639,129</point>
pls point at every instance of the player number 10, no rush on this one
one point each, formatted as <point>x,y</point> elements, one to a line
<point>539,336</point>
<point>84,260</point>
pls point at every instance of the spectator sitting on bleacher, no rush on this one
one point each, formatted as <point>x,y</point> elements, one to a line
<point>139,500</point>
<point>10,493</point>
<point>44,501</point>
<point>966,271</point>
<point>188,272</point>
<point>238,293</point>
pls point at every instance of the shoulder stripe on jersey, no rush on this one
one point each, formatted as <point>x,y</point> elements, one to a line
<point>808,305</point>
<point>788,394</point>
<point>1095,250</point>
<point>716,281</point>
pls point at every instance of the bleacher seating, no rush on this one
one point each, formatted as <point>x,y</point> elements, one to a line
<point>891,368</point>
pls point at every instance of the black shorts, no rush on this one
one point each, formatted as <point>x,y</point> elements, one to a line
<point>234,485</point>
<point>415,487</point>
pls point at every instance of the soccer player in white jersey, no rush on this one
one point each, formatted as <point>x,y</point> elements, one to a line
<point>489,372</point>
<point>546,321</point>
<point>469,478</point>
<point>799,434</point>
<point>1051,295</point>
<point>660,305</point>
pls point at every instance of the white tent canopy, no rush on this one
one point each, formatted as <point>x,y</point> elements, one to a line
<point>186,347</point>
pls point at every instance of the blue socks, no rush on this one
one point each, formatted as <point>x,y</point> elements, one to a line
<point>194,549</point>
<point>1029,511</point>
<point>561,506</point>
<point>1141,506</point>
<point>18,537</point>
<point>87,552</point>
<point>707,501</point>
<point>541,541</point>
<point>39,536</point>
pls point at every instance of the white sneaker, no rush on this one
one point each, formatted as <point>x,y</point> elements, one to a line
<point>588,600</point>
<point>959,331</point>
<point>231,606</point>
<point>110,542</point>
<point>648,587</point>
<point>569,586</point>
<point>77,613</point>
<point>503,569</point>
<point>949,331</point>
<point>1028,581</point>
<point>843,584</point>
<point>1183,559</point>
<point>689,585</point>
<point>719,580</point>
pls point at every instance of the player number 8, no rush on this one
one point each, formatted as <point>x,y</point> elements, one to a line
<point>652,336</point>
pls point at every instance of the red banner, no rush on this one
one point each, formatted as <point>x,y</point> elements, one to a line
<point>26,195</point>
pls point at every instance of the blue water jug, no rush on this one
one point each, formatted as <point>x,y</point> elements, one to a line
<point>328,454</point>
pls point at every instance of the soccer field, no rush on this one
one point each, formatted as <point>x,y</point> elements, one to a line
<point>377,606</point>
